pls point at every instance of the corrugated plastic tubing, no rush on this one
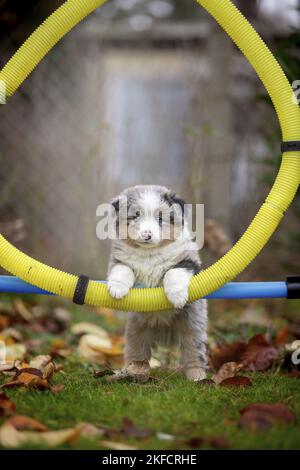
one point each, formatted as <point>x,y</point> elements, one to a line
<point>267,218</point>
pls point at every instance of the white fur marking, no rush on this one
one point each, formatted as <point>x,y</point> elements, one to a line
<point>120,280</point>
<point>176,286</point>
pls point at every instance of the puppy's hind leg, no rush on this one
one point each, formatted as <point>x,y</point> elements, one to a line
<point>137,342</point>
<point>193,341</point>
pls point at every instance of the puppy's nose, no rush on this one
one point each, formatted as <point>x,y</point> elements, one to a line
<point>146,235</point>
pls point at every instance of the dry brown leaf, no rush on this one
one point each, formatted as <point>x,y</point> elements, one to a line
<point>96,343</point>
<point>6,405</point>
<point>99,349</point>
<point>37,374</point>
<point>22,423</point>
<point>12,333</point>
<point>229,369</point>
<point>89,431</point>
<point>27,379</point>
<point>5,321</point>
<point>237,381</point>
<point>14,352</point>
<point>259,355</point>
<point>12,438</point>
<point>44,364</point>
<point>8,367</point>
<point>21,310</point>
<point>261,416</point>
<point>256,355</point>
<point>228,353</point>
<point>83,328</point>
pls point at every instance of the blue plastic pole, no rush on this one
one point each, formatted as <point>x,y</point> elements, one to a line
<point>232,290</point>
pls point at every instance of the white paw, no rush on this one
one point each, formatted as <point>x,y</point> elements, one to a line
<point>118,289</point>
<point>176,286</point>
<point>195,374</point>
<point>177,295</point>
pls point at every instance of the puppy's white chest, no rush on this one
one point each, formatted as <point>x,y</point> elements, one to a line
<point>148,271</point>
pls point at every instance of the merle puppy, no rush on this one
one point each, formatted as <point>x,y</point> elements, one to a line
<point>156,248</point>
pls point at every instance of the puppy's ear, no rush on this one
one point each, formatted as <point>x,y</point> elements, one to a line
<point>116,205</point>
<point>172,198</point>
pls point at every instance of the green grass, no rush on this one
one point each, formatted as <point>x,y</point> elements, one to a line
<point>172,405</point>
<point>169,405</point>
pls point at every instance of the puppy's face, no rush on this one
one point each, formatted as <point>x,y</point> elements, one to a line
<point>148,216</point>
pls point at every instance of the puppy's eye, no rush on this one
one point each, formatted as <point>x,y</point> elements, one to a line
<point>134,215</point>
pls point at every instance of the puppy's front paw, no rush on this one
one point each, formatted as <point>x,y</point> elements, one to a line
<point>176,286</point>
<point>118,289</point>
<point>177,295</point>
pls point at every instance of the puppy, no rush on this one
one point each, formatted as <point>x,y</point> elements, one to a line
<point>154,247</point>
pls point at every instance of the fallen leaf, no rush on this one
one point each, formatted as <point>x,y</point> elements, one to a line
<point>62,316</point>
<point>57,388</point>
<point>237,381</point>
<point>261,416</point>
<point>95,343</point>
<point>83,328</point>
<point>44,364</point>
<point>282,336</point>
<point>259,355</point>
<point>228,353</point>
<point>5,321</point>
<point>12,333</point>
<point>90,431</point>
<point>6,405</point>
<point>12,438</point>
<point>256,355</point>
<point>8,367</point>
<point>22,423</point>
<point>103,350</point>
<point>227,370</point>
<point>22,311</point>
<point>14,352</point>
<point>37,374</point>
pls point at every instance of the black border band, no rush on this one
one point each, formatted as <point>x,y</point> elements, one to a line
<point>80,290</point>
<point>293,287</point>
<point>290,146</point>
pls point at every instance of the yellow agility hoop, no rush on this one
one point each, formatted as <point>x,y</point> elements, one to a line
<point>265,221</point>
